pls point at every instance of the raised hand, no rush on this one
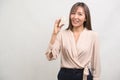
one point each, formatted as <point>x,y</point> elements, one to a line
<point>57,26</point>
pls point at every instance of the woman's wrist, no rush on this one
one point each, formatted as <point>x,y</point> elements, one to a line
<point>53,37</point>
<point>54,33</point>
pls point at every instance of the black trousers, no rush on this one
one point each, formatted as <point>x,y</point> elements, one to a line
<point>72,74</point>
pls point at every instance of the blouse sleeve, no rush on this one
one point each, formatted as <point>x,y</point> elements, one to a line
<point>54,49</point>
<point>96,59</point>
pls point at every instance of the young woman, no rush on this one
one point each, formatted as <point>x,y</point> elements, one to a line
<point>78,46</point>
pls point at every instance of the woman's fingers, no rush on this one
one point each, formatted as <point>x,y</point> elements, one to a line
<point>61,25</point>
<point>57,25</point>
<point>57,22</point>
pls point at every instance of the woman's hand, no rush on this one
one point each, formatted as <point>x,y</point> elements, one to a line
<point>57,26</point>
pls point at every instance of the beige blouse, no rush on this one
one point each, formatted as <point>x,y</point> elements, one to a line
<point>83,54</point>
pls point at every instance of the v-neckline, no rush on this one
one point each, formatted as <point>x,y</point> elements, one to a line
<point>76,42</point>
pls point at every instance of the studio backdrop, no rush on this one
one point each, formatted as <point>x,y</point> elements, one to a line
<point>25,31</point>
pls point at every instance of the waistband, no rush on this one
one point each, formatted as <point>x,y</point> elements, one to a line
<point>85,71</point>
<point>72,69</point>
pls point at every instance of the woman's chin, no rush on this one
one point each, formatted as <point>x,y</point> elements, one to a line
<point>75,26</point>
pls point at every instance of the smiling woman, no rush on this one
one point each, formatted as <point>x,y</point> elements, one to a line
<point>78,46</point>
<point>78,17</point>
<point>25,32</point>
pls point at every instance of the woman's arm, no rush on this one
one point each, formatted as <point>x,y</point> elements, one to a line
<point>54,45</point>
<point>96,59</point>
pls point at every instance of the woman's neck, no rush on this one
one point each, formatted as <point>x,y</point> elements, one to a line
<point>78,29</point>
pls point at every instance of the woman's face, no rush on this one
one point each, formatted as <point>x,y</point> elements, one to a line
<point>78,17</point>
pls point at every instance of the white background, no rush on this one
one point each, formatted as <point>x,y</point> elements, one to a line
<point>25,31</point>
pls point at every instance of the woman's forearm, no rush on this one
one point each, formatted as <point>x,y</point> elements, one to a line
<point>53,37</point>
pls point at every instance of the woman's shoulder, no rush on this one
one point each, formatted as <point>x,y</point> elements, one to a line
<point>92,33</point>
<point>62,33</point>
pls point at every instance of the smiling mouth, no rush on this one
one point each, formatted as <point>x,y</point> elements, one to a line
<point>75,21</point>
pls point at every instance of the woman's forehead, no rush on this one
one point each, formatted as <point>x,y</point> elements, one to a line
<point>75,9</point>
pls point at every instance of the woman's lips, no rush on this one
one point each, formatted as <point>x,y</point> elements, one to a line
<point>75,21</point>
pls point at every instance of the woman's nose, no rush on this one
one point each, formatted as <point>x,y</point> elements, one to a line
<point>75,16</point>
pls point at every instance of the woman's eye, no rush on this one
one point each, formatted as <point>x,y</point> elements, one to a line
<point>80,14</point>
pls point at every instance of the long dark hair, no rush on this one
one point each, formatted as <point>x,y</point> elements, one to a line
<point>87,23</point>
